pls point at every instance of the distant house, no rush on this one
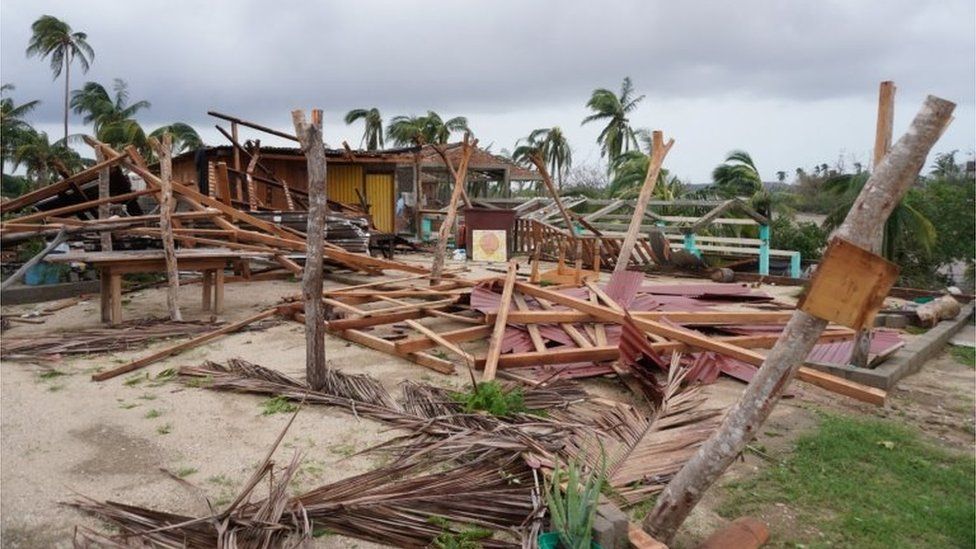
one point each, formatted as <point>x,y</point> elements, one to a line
<point>398,186</point>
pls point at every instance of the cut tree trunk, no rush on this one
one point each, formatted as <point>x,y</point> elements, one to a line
<point>658,151</point>
<point>882,192</point>
<point>310,136</point>
<point>104,190</point>
<point>164,151</point>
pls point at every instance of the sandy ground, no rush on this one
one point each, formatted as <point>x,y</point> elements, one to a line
<point>68,435</point>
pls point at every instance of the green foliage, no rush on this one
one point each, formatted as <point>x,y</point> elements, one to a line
<point>406,131</point>
<point>453,538</point>
<point>738,176</point>
<point>868,483</point>
<point>550,147</point>
<point>964,355</point>
<point>51,374</point>
<point>184,472</point>
<point>373,127</point>
<point>277,405</point>
<point>153,414</point>
<point>12,186</point>
<point>491,397</point>
<point>617,136</point>
<point>805,237</point>
<point>164,429</point>
<point>572,498</point>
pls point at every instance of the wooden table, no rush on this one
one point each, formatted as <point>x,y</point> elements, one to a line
<point>112,265</point>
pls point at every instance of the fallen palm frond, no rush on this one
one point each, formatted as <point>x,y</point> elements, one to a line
<point>126,336</point>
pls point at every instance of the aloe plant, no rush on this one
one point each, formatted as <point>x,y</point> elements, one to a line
<point>573,498</point>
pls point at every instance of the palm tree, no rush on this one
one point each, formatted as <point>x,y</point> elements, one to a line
<point>945,166</point>
<point>42,158</point>
<point>629,171</point>
<point>12,124</point>
<point>405,131</point>
<point>373,130</point>
<point>53,38</point>
<point>185,138</point>
<point>617,136</point>
<point>554,148</point>
<point>907,227</point>
<point>113,118</point>
<point>738,176</point>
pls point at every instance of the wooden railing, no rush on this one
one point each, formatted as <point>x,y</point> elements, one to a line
<point>542,240</point>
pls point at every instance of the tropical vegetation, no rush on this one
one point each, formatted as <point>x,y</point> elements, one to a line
<point>618,136</point>
<point>53,39</point>
<point>406,131</point>
<point>373,127</point>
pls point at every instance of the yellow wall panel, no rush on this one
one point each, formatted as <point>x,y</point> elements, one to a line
<point>343,181</point>
<point>379,194</point>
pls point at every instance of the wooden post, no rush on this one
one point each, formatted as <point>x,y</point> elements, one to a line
<point>501,321</point>
<point>540,165</point>
<point>658,151</point>
<point>459,179</point>
<point>104,190</point>
<point>310,136</point>
<point>882,144</point>
<point>164,151</point>
<point>252,187</point>
<point>887,185</point>
<point>237,153</point>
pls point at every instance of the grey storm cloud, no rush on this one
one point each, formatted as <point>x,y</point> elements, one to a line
<point>495,60</point>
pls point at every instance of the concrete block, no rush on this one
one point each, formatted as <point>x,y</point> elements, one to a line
<point>617,518</point>
<point>605,533</point>
<point>895,321</point>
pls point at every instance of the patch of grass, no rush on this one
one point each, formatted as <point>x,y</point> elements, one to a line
<point>55,388</point>
<point>220,480</point>
<point>164,429</point>
<point>153,414</point>
<point>455,537</point>
<point>277,405</point>
<point>184,472</point>
<point>963,355</point>
<point>867,483</point>
<point>491,397</point>
<point>50,374</point>
<point>344,450</point>
<point>198,382</point>
<point>916,330</point>
<point>147,396</point>
<point>135,380</point>
<point>163,377</point>
<point>127,405</point>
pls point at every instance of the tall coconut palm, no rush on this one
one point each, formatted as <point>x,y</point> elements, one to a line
<point>907,227</point>
<point>405,131</point>
<point>12,124</point>
<point>54,38</point>
<point>945,166</point>
<point>554,149</point>
<point>42,158</point>
<point>617,136</point>
<point>373,129</point>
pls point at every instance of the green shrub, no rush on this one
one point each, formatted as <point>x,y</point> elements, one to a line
<point>491,397</point>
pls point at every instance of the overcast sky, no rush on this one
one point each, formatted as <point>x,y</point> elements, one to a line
<point>793,83</point>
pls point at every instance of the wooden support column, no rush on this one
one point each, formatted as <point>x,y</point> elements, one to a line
<point>310,136</point>
<point>536,159</point>
<point>104,191</point>
<point>223,183</point>
<point>237,153</point>
<point>658,151</point>
<point>887,186</point>
<point>882,143</point>
<point>252,187</point>
<point>164,151</point>
<point>460,175</point>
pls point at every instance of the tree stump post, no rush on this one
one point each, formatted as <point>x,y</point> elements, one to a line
<point>164,151</point>
<point>310,137</point>
<point>658,151</point>
<point>460,176</point>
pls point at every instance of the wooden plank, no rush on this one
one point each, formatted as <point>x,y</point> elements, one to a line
<point>382,345</point>
<point>80,207</point>
<point>59,187</point>
<point>461,335</point>
<point>195,342</point>
<point>534,333</point>
<point>498,333</point>
<point>443,342</point>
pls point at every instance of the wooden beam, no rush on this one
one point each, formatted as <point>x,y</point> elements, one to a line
<point>498,332</point>
<point>164,151</point>
<point>658,151</point>
<point>461,335</point>
<point>57,188</point>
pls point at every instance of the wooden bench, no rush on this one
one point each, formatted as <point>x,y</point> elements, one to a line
<point>112,265</point>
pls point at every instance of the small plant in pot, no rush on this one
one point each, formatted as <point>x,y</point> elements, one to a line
<point>572,498</point>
